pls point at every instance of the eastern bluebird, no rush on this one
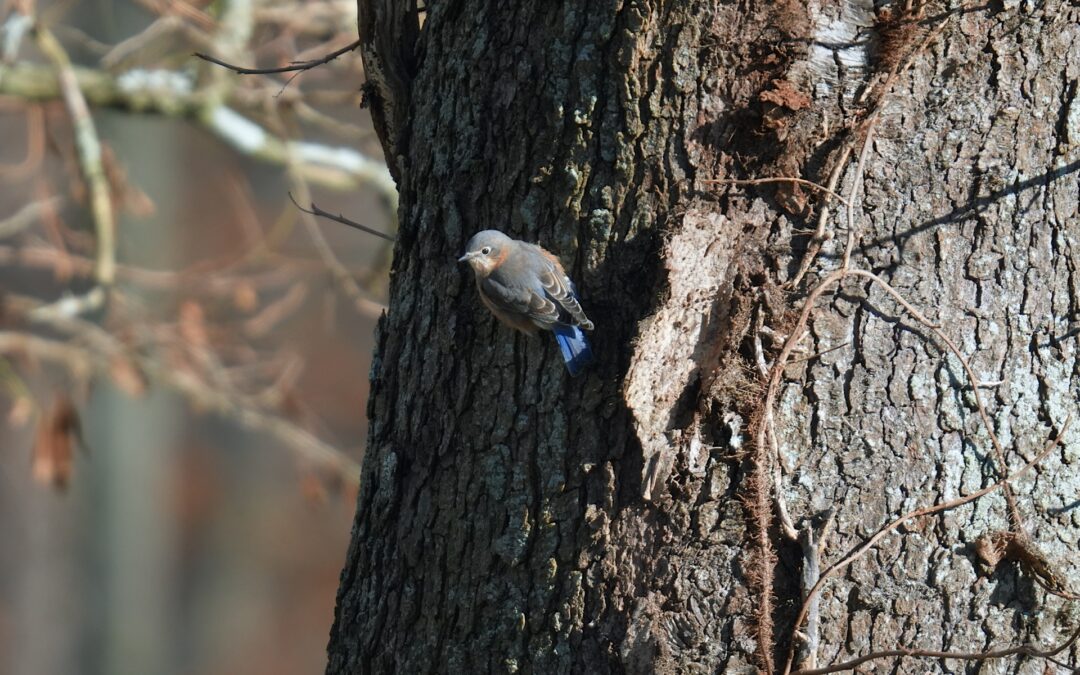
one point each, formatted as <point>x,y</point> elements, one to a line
<point>526,288</point>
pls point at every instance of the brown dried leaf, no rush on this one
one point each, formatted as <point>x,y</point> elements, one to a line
<point>785,95</point>
<point>290,405</point>
<point>56,434</point>
<point>991,548</point>
<point>138,203</point>
<point>791,196</point>
<point>995,547</point>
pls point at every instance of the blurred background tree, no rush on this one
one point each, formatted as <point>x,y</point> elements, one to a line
<point>183,352</point>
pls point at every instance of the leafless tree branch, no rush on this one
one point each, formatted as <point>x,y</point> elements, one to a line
<point>314,210</point>
<point>292,67</point>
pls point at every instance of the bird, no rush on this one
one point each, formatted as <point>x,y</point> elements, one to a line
<point>526,288</point>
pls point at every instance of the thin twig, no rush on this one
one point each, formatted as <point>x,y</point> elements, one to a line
<point>819,234</point>
<point>292,67</point>
<point>309,18</point>
<point>342,278</point>
<point>162,28</point>
<point>80,360</point>
<point>778,179</point>
<point>164,7</point>
<point>917,513</point>
<point>1025,650</point>
<point>855,183</point>
<point>785,354</point>
<point>787,527</point>
<point>1015,519</point>
<point>309,114</point>
<point>27,215</point>
<point>811,357</point>
<point>170,94</point>
<point>88,149</point>
<point>192,280</point>
<point>316,211</point>
<point>272,314</point>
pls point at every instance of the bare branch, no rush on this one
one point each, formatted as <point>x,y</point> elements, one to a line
<point>161,28</point>
<point>340,274</point>
<point>190,280</point>
<point>292,67</point>
<point>316,211</point>
<point>81,361</point>
<point>309,18</point>
<point>26,216</point>
<point>88,149</point>
<point>170,94</point>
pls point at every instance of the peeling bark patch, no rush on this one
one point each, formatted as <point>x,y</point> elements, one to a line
<point>698,258</point>
<point>839,48</point>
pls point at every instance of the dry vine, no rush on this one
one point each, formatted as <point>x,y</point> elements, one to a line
<point>767,462</point>
<point>1022,650</point>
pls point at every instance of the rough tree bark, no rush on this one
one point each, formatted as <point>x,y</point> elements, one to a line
<point>513,519</point>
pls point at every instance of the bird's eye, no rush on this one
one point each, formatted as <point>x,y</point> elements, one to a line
<point>486,250</point>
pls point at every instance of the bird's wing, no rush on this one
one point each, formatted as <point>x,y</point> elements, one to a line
<point>560,289</point>
<point>530,282</point>
<point>507,295</point>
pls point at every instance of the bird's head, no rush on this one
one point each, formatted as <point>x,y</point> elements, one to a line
<point>486,250</point>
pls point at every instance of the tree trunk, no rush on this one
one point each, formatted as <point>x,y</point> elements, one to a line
<point>638,518</point>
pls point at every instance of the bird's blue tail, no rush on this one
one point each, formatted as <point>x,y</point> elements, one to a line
<point>575,349</point>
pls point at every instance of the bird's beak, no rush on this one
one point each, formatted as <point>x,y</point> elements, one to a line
<point>467,257</point>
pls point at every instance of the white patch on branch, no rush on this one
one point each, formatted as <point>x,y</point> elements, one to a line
<point>11,35</point>
<point>363,167</point>
<point>155,80</point>
<point>242,133</point>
